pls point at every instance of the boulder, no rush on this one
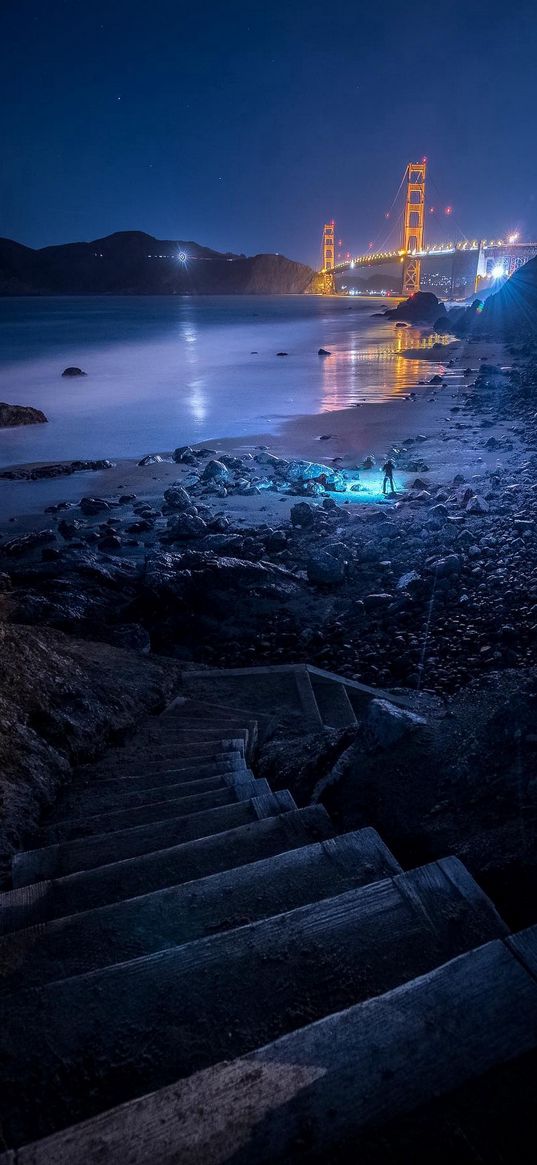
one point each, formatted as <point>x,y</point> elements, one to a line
<point>12,415</point>
<point>326,569</point>
<point>477,505</point>
<point>73,371</point>
<point>151,459</point>
<point>302,514</point>
<point>183,526</point>
<point>177,498</point>
<point>387,723</point>
<point>16,547</point>
<point>216,473</point>
<point>324,352</point>
<point>92,506</point>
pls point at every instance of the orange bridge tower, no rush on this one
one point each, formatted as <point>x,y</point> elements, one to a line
<point>413,225</point>
<point>328,257</point>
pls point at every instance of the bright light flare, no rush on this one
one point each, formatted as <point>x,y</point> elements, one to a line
<point>498,271</point>
<point>182,257</point>
<point>513,238</point>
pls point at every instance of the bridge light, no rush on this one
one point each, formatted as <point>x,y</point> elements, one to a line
<point>448,210</point>
<point>512,238</point>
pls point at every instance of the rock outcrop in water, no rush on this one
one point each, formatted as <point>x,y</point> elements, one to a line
<point>13,415</point>
<point>421,308</point>
<point>133,263</point>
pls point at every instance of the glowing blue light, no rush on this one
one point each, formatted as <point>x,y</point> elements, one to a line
<point>182,257</point>
<point>498,271</point>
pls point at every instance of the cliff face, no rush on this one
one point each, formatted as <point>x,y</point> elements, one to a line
<point>62,702</point>
<point>133,263</point>
<point>513,309</point>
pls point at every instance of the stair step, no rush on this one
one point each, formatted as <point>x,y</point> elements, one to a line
<point>181,914</point>
<point>43,901</point>
<point>334,1086</point>
<point>283,692</point>
<point>153,811</point>
<point>73,1048</point>
<point>334,704</point>
<point>150,754</point>
<point>226,762</point>
<point>105,798</point>
<point>206,710</point>
<point>70,857</point>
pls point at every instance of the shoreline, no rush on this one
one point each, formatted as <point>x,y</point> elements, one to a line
<point>428,412</point>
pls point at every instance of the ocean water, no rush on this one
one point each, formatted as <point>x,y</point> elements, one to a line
<point>168,371</point>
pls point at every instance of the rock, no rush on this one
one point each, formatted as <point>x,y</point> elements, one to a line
<point>477,505</point>
<point>303,471</point>
<point>326,569</point>
<point>387,723</point>
<point>126,498</point>
<point>69,529</point>
<point>177,498</point>
<point>323,352</point>
<point>92,506</point>
<point>409,581</point>
<point>12,415</point>
<point>282,353</point>
<point>110,542</point>
<point>216,473</point>
<point>422,307</point>
<point>183,526</point>
<point>142,526</point>
<point>450,565</point>
<point>376,602</point>
<point>439,511</point>
<point>369,462</point>
<point>151,459</point>
<point>435,380</point>
<point>185,455</point>
<point>16,547</point>
<point>72,371</point>
<point>302,514</point>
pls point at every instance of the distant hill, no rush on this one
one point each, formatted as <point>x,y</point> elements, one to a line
<point>133,263</point>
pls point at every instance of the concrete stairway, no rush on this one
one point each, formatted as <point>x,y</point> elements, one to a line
<point>194,969</point>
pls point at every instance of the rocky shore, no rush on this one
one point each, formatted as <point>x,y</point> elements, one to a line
<point>223,556</point>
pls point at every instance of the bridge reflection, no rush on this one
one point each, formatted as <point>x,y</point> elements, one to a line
<point>382,372</point>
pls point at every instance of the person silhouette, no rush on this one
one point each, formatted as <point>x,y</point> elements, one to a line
<point>387,470</point>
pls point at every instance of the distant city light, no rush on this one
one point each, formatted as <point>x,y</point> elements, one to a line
<point>449,210</point>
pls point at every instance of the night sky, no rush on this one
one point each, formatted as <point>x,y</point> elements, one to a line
<point>242,125</point>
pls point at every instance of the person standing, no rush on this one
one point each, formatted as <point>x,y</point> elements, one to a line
<point>387,470</point>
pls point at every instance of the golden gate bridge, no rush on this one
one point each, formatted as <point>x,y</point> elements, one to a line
<point>499,257</point>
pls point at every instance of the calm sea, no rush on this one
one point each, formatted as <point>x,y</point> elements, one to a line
<point>168,371</point>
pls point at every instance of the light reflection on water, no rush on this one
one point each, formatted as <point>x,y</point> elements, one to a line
<point>167,371</point>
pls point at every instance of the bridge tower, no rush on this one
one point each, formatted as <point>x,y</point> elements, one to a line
<point>328,257</point>
<point>413,225</point>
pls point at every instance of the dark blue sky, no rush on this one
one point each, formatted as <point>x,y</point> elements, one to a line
<point>242,124</point>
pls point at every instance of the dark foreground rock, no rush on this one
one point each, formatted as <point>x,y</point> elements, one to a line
<point>421,308</point>
<point>13,415</point>
<point>61,469</point>
<point>462,783</point>
<point>61,703</point>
